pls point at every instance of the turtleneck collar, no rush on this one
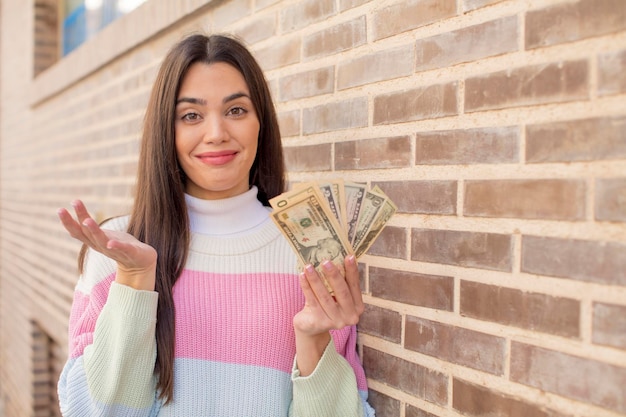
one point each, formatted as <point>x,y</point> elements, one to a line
<point>226,217</point>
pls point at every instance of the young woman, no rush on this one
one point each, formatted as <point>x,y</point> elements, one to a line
<point>192,306</point>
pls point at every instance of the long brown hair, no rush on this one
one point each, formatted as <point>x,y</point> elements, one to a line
<point>159,215</point>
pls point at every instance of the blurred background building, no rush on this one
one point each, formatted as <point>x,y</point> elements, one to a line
<point>497,126</point>
<point>84,18</point>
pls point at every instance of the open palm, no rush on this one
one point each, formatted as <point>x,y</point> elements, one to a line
<point>133,257</point>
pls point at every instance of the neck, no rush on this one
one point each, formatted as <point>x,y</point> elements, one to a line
<point>229,216</point>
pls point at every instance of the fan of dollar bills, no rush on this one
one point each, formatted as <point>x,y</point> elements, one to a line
<point>330,220</point>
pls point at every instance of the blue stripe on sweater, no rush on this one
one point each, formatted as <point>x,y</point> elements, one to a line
<point>241,391</point>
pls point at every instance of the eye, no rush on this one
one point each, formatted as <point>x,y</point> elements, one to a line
<point>237,111</point>
<point>190,117</point>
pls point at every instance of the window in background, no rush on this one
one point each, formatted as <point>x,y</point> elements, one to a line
<point>84,18</point>
<point>62,25</point>
<point>47,362</point>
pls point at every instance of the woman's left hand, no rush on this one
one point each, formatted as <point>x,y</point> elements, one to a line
<point>324,311</point>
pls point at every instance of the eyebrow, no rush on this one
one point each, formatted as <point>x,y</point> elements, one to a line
<point>203,102</point>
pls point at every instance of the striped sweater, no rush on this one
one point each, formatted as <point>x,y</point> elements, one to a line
<point>235,344</point>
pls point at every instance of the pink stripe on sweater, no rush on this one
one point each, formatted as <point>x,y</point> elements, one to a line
<point>85,311</point>
<point>243,319</point>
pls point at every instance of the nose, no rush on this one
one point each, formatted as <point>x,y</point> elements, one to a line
<point>216,131</point>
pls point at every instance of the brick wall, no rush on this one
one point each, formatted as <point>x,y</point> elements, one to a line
<point>498,128</point>
<point>46,50</point>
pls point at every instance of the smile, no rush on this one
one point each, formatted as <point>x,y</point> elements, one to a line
<point>217,158</point>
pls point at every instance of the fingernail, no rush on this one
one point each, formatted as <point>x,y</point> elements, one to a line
<point>309,268</point>
<point>327,265</point>
<point>351,259</point>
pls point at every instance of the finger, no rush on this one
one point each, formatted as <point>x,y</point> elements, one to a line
<point>316,283</point>
<point>349,307</point>
<point>82,216</point>
<point>337,281</point>
<point>309,297</point>
<point>92,232</point>
<point>354,283</point>
<point>94,235</point>
<point>342,310</point>
<point>71,225</point>
<point>89,226</point>
<point>81,211</point>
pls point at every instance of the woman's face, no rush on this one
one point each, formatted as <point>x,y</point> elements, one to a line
<point>217,131</point>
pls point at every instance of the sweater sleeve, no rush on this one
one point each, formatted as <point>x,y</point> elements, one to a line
<point>110,371</point>
<point>337,386</point>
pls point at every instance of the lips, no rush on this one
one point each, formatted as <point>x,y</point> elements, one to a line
<point>217,158</point>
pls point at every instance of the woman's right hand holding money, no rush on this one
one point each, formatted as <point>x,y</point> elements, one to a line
<point>136,261</point>
<point>324,311</point>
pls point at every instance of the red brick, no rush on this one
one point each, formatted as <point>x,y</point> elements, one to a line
<point>376,67</point>
<point>570,376</point>
<point>549,199</point>
<point>525,86</point>
<point>391,243</point>
<point>468,44</point>
<point>381,322</point>
<point>577,140</point>
<point>258,30</point>
<point>457,345</point>
<point>423,290</point>
<point>424,197</point>
<point>469,5</point>
<point>362,271</point>
<point>230,12</point>
<point>422,103</point>
<point>416,412</point>
<point>46,31</point>
<point>533,311</point>
<point>261,4</point>
<point>474,400</point>
<point>289,122</point>
<point>279,54</point>
<point>406,376</point>
<point>609,325</point>
<point>273,86</point>
<point>308,158</point>
<point>392,152</point>
<point>488,145</point>
<point>349,4</point>
<point>583,260</point>
<point>612,73</point>
<point>336,116</point>
<point>335,39</point>
<point>304,13</point>
<point>384,405</point>
<point>306,84</point>
<point>574,21</point>
<point>467,249</point>
<point>410,14</point>
<point>611,199</point>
